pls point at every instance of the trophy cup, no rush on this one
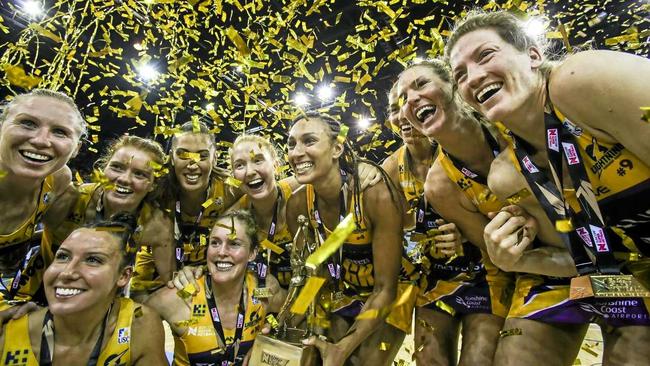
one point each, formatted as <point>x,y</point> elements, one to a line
<point>284,345</point>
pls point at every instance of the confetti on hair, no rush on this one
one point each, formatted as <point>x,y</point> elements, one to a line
<point>646,114</point>
<point>232,181</point>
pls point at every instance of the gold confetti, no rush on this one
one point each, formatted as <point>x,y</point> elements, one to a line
<point>587,348</point>
<point>343,133</point>
<point>267,244</point>
<point>307,295</point>
<point>232,181</point>
<point>16,76</point>
<point>563,226</point>
<point>272,321</point>
<point>510,332</point>
<point>517,197</point>
<point>383,346</point>
<point>333,242</point>
<point>646,114</point>
<point>187,292</point>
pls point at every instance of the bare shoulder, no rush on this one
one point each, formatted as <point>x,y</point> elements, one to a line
<point>390,163</point>
<point>438,184</point>
<point>62,179</point>
<point>590,68</point>
<point>292,182</point>
<point>602,91</point>
<point>148,336</point>
<point>443,193</point>
<point>296,205</point>
<point>504,179</point>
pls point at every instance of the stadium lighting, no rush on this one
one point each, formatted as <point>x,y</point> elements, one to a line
<point>148,72</point>
<point>363,122</point>
<point>300,99</point>
<point>535,27</point>
<point>33,8</point>
<point>325,92</point>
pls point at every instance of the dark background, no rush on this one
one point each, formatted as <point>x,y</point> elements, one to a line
<point>93,48</point>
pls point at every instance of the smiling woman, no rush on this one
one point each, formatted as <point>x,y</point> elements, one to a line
<point>85,320</point>
<point>218,325</point>
<point>39,132</point>
<point>584,110</point>
<point>129,184</point>
<point>325,163</point>
<point>255,163</point>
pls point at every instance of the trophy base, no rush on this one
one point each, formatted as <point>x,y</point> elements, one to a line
<point>602,286</point>
<point>274,352</point>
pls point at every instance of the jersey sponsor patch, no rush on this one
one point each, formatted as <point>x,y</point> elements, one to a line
<point>123,335</point>
<point>552,139</point>
<point>571,153</point>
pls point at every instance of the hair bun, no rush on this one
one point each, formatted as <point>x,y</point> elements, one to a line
<point>125,218</point>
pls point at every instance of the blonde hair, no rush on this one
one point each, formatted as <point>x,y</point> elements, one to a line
<point>148,146</point>
<point>264,144</point>
<point>62,97</point>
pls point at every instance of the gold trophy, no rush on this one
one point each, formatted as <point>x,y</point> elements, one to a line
<point>284,345</point>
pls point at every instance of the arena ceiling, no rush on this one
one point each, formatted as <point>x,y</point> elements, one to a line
<point>142,67</point>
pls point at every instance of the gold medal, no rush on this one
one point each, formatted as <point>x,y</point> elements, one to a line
<point>607,286</point>
<point>262,293</point>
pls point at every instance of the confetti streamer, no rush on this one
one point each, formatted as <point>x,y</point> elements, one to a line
<point>307,295</point>
<point>332,243</point>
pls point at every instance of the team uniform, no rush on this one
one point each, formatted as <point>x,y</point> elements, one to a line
<point>352,270</point>
<point>201,346</point>
<point>191,235</point>
<point>24,247</point>
<point>355,270</point>
<point>18,349</point>
<point>467,282</point>
<point>280,263</point>
<point>621,183</point>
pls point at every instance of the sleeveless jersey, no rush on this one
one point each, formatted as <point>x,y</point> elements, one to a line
<point>413,189</point>
<point>200,339</point>
<point>280,263</point>
<point>356,252</point>
<point>621,182</point>
<point>28,255</point>
<point>190,249</point>
<point>117,351</point>
<point>25,231</point>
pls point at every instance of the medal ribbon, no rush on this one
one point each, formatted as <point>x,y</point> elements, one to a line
<point>588,225</point>
<point>233,348</point>
<point>263,268</point>
<point>47,340</point>
<point>334,264</point>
